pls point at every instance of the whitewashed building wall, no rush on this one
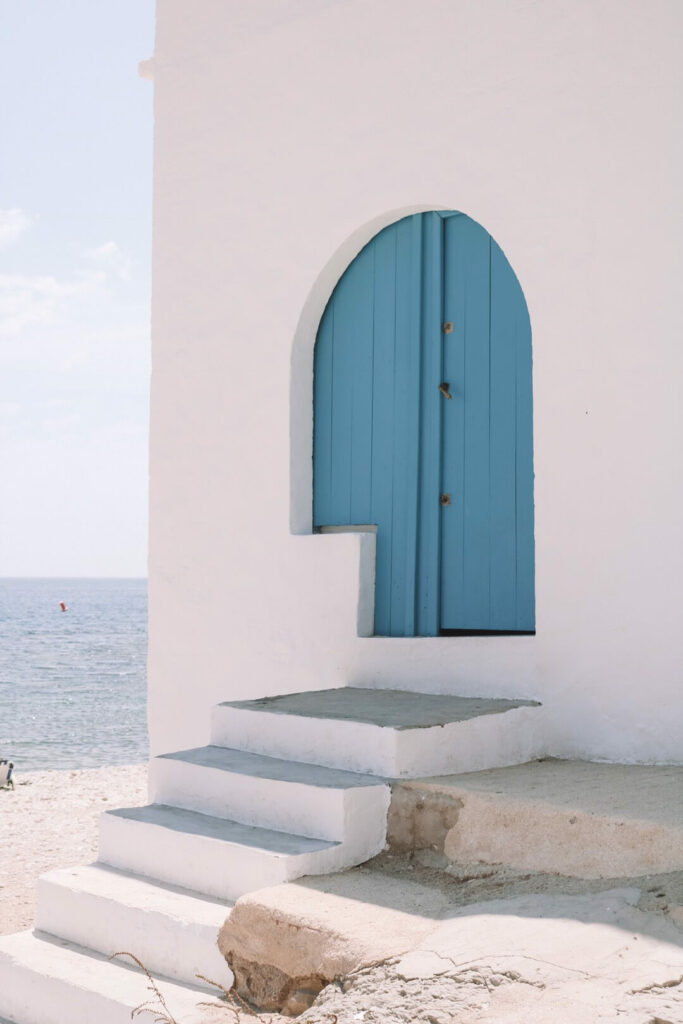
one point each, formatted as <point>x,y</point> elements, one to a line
<point>287,133</point>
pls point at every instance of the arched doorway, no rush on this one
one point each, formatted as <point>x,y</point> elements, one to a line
<point>423,427</point>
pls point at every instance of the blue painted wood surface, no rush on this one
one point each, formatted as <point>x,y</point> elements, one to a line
<point>387,443</point>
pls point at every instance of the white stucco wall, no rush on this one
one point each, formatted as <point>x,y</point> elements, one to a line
<point>287,133</point>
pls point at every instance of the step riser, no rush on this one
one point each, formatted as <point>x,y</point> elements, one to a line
<point>172,948</point>
<point>489,741</point>
<point>195,862</point>
<point>366,824</point>
<point>267,803</point>
<point>28,997</point>
<point>48,982</point>
<point>351,746</point>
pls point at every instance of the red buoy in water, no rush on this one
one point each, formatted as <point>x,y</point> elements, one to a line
<point>62,605</point>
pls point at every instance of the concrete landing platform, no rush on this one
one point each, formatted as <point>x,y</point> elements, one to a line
<point>393,734</point>
<point>565,817</point>
<point>391,709</point>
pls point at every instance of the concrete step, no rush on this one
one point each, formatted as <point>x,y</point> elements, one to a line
<point>390,733</point>
<point>48,981</point>
<point>310,800</point>
<point>571,818</point>
<point>214,856</point>
<point>171,930</point>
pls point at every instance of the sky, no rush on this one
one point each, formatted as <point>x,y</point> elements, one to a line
<point>75,244</point>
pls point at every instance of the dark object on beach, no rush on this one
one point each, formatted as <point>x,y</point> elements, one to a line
<point>62,605</point>
<point>6,780</point>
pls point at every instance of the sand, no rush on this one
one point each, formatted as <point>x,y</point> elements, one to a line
<point>49,821</point>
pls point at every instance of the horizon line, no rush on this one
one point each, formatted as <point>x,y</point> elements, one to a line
<point>73,578</point>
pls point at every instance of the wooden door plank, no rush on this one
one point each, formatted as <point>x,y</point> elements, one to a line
<point>503,443</point>
<point>431,375</point>
<point>452,581</point>
<point>465,587</point>
<point>526,600</point>
<point>343,360</point>
<point>384,328</point>
<point>362,390</point>
<point>476,484</point>
<point>406,427</point>
<point>322,434</point>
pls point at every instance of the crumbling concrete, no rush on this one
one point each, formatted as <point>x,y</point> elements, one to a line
<point>565,817</point>
<point>269,988</point>
<point>420,819</point>
<point>613,956</point>
<point>286,942</point>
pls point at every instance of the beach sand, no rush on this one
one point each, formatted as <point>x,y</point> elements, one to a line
<point>50,821</point>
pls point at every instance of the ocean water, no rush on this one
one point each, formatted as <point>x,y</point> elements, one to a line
<point>72,684</point>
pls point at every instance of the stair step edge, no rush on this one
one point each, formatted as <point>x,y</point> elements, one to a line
<point>246,762</point>
<point>396,710</point>
<point>234,833</point>
<point>66,961</point>
<point>93,880</point>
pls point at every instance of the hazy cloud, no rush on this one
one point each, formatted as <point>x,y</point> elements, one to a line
<point>13,223</point>
<point>38,299</point>
<point>111,258</point>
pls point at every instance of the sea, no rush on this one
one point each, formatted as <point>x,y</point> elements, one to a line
<point>72,683</point>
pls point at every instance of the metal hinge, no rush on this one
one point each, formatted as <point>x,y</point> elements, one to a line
<point>448,327</point>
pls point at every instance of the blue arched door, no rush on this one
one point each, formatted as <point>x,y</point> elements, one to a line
<point>423,427</point>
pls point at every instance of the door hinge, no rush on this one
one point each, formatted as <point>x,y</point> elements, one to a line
<point>448,327</point>
<point>445,499</point>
